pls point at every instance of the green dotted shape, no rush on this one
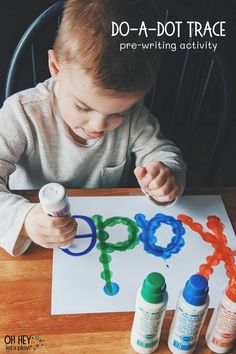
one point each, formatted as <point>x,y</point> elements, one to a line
<point>108,247</point>
<point>103,236</point>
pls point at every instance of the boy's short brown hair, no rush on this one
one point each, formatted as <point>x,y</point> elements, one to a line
<point>84,38</point>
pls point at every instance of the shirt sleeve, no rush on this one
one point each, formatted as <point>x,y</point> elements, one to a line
<point>15,139</point>
<point>149,145</point>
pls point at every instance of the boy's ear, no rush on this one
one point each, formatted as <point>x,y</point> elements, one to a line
<point>53,63</point>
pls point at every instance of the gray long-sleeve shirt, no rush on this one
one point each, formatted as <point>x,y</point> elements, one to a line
<point>36,148</point>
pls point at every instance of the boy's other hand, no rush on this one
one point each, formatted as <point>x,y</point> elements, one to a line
<point>47,231</point>
<point>157,180</point>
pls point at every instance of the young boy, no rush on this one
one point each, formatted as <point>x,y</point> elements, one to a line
<point>80,127</point>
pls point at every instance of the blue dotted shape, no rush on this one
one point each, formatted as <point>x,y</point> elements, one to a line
<point>114,289</point>
<point>92,235</point>
<point>149,239</point>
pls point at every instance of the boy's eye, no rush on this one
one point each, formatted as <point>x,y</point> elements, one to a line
<point>117,115</point>
<point>85,110</point>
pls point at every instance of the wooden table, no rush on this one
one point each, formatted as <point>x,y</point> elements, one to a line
<point>25,300</point>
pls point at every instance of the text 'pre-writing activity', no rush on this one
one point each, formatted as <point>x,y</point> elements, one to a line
<point>122,239</point>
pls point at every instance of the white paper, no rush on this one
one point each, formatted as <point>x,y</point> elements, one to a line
<point>77,286</point>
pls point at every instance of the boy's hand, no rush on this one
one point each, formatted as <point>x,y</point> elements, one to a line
<point>158,181</point>
<point>47,231</point>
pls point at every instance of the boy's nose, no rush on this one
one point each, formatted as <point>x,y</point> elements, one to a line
<point>99,123</point>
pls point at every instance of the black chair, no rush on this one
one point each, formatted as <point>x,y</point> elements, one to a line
<point>190,98</point>
<point>28,64</point>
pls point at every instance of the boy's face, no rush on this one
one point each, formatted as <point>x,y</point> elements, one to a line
<point>88,112</point>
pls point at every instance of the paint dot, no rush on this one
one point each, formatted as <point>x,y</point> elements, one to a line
<point>105,258</point>
<point>103,246</point>
<point>167,265</point>
<point>106,275</point>
<point>114,291</point>
<point>103,235</point>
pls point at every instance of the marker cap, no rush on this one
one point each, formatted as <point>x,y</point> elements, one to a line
<point>52,197</point>
<point>196,290</point>
<point>153,288</point>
